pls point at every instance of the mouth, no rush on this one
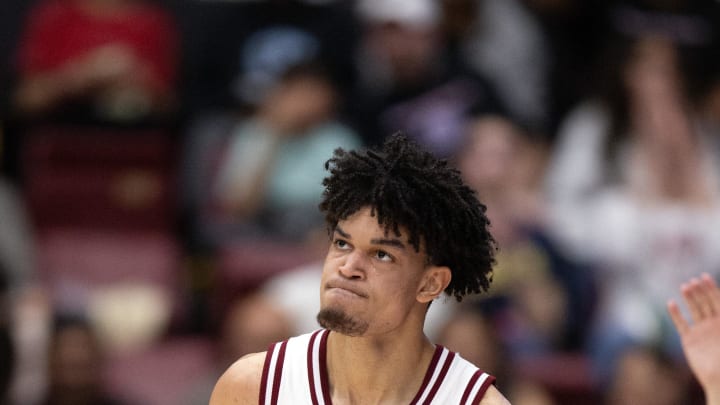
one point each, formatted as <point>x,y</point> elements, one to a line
<point>345,290</point>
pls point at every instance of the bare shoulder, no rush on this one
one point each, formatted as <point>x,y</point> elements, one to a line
<point>493,397</point>
<point>240,384</point>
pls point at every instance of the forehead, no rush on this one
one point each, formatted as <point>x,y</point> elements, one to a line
<point>364,220</point>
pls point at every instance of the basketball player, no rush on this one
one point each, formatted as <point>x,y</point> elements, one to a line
<point>404,228</point>
<point>701,339</point>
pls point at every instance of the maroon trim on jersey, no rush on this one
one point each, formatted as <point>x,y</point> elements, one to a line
<point>311,376</point>
<point>483,389</point>
<point>443,372</point>
<point>428,374</point>
<point>278,374</point>
<point>470,386</point>
<point>265,373</point>
<point>324,380</point>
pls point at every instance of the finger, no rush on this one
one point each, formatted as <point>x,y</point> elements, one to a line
<point>705,295</point>
<point>689,292</point>
<point>712,291</point>
<point>702,298</point>
<point>677,318</point>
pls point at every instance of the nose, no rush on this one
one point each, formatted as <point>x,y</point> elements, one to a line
<point>354,266</point>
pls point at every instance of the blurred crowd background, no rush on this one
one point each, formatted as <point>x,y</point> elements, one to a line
<point>162,164</point>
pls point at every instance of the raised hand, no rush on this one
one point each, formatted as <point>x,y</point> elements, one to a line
<point>701,337</point>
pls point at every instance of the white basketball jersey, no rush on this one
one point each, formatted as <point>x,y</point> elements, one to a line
<point>295,372</point>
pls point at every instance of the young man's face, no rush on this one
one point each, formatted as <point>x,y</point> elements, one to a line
<point>371,280</point>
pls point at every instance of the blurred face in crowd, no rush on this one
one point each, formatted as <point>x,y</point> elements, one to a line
<point>252,324</point>
<point>490,153</point>
<point>652,71</point>
<point>472,336</point>
<point>409,51</point>
<point>300,103</point>
<point>642,378</point>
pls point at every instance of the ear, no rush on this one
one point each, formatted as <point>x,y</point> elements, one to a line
<point>434,281</point>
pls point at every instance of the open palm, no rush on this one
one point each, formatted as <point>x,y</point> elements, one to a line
<point>701,338</point>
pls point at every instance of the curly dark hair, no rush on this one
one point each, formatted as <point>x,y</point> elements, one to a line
<point>408,187</point>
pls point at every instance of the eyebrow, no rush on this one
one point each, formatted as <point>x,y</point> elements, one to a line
<point>383,241</point>
<point>388,242</point>
<point>341,232</point>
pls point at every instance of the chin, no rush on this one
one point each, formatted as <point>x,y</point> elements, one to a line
<point>339,321</point>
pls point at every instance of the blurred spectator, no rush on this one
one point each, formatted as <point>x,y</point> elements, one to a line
<point>251,324</point>
<point>233,50</point>
<point>647,377</point>
<point>237,57</point>
<point>75,365</point>
<point>268,183</point>
<point>504,41</point>
<point>505,166</point>
<point>469,333</point>
<point>633,182</point>
<point>89,60</point>
<point>408,83</point>
<point>539,297</point>
<point>18,295</point>
<point>474,338</point>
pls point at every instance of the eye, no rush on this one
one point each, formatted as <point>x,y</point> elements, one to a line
<point>341,244</point>
<point>383,256</point>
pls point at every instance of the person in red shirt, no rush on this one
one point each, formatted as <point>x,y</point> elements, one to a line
<point>115,58</point>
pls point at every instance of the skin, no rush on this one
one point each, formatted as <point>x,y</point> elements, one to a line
<point>380,282</point>
<point>700,338</point>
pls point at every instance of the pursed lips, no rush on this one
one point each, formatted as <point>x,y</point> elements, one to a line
<point>342,286</point>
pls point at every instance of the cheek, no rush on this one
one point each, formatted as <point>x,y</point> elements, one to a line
<point>327,271</point>
<point>333,260</point>
<point>397,291</point>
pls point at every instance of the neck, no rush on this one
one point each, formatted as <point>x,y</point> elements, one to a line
<point>712,395</point>
<point>385,369</point>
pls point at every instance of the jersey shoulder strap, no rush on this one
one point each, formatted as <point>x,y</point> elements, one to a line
<point>450,379</point>
<point>296,369</point>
